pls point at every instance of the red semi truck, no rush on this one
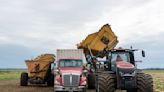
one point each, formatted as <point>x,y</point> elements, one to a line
<point>69,72</point>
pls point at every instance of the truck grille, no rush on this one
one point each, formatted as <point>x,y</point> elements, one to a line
<point>71,80</point>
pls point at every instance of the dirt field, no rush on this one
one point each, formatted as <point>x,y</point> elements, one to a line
<point>13,86</point>
<point>7,84</point>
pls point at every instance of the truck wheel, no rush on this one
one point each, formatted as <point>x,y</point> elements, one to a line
<point>106,83</point>
<point>84,90</point>
<point>50,80</point>
<point>144,83</point>
<point>91,81</point>
<point>131,90</point>
<point>24,79</point>
<point>149,83</point>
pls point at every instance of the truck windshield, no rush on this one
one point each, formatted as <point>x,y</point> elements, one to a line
<point>70,63</point>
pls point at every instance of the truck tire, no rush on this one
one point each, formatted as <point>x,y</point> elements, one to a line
<point>91,81</point>
<point>84,90</point>
<point>24,79</point>
<point>50,80</point>
<point>106,83</point>
<point>149,82</point>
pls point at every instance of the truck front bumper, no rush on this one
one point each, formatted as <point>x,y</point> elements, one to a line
<point>61,88</point>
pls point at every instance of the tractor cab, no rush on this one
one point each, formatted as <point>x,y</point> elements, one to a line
<point>117,57</point>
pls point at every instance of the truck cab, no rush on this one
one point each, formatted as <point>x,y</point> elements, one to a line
<point>69,75</point>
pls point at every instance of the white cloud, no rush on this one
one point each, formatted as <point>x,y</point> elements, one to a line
<point>52,24</point>
<point>36,22</point>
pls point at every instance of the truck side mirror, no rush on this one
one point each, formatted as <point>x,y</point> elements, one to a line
<point>143,53</point>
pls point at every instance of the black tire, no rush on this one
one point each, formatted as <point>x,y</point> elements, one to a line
<point>24,79</point>
<point>106,83</point>
<point>149,83</point>
<point>84,90</point>
<point>50,80</point>
<point>132,90</point>
<point>144,83</point>
<point>91,81</point>
<point>141,82</point>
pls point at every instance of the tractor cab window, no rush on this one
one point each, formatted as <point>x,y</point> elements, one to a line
<point>70,63</point>
<point>119,56</point>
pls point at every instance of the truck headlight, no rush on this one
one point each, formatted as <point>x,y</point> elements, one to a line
<point>57,82</point>
<point>83,83</point>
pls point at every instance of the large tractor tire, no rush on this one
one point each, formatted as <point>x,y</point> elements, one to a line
<point>144,83</point>
<point>50,80</point>
<point>149,83</point>
<point>91,81</point>
<point>106,83</point>
<point>24,79</point>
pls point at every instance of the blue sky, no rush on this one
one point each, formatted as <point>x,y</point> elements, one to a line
<point>32,27</point>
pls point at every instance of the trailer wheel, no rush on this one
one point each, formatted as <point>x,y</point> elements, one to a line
<point>50,80</point>
<point>106,83</point>
<point>24,79</point>
<point>91,81</point>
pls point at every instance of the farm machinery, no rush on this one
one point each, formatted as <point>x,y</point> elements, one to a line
<point>120,71</point>
<point>117,71</point>
<point>39,71</point>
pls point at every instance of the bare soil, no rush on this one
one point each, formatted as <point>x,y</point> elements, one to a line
<point>13,86</point>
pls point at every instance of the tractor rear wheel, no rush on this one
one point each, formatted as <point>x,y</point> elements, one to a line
<point>106,83</point>
<point>24,79</point>
<point>144,83</point>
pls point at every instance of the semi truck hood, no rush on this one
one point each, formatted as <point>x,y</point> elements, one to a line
<point>72,70</point>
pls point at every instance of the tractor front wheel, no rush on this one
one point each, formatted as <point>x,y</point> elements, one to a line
<point>106,83</point>
<point>149,83</point>
<point>144,83</point>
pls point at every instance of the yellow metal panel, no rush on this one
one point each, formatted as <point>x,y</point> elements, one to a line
<point>37,67</point>
<point>100,40</point>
